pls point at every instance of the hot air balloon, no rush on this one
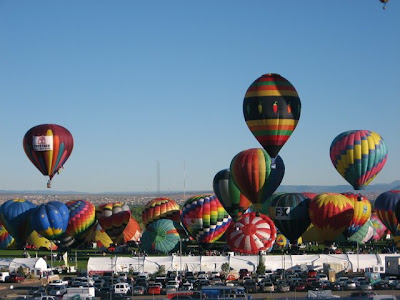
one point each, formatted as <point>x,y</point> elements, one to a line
<point>386,206</point>
<point>38,241</point>
<point>130,233</point>
<point>6,239</point>
<point>252,173</point>
<point>362,212</point>
<point>50,219</point>
<point>331,214</point>
<point>48,146</point>
<point>254,232</point>
<point>358,155</point>
<point>114,218</point>
<point>309,195</point>
<point>161,208</point>
<point>99,236</point>
<point>379,227</point>
<point>81,217</point>
<point>162,236</point>
<point>205,219</point>
<point>290,214</point>
<point>271,108</point>
<point>14,215</point>
<point>234,202</point>
<point>364,234</point>
<point>384,3</point>
<point>312,235</point>
<point>281,241</point>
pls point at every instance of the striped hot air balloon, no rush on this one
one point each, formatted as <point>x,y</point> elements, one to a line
<point>161,208</point>
<point>253,174</point>
<point>204,218</point>
<point>271,109</point>
<point>386,205</point>
<point>362,212</point>
<point>358,155</point>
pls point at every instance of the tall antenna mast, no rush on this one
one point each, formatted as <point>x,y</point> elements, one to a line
<point>158,178</point>
<point>184,180</point>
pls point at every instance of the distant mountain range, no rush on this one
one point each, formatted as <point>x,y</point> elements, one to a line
<point>375,188</point>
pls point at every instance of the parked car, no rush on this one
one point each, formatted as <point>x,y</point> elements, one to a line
<point>381,285</point>
<point>284,287</point>
<point>138,290</point>
<point>298,286</point>
<point>267,286</point>
<point>350,285</point>
<point>154,289</point>
<point>250,285</point>
<point>364,285</point>
<point>243,273</point>
<point>15,278</point>
<point>58,290</point>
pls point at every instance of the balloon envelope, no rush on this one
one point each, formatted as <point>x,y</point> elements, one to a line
<point>81,217</point>
<point>50,219</point>
<point>234,202</point>
<point>271,108</point>
<point>254,232</point>
<point>162,236</point>
<point>252,173</point>
<point>15,218</point>
<point>386,205</point>
<point>5,238</point>
<point>160,208</point>
<point>358,155</point>
<point>48,146</point>
<point>362,213</point>
<point>204,218</point>
<point>379,227</point>
<point>289,212</point>
<point>330,214</point>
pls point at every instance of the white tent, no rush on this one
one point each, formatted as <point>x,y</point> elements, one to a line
<point>35,265</point>
<point>151,264</point>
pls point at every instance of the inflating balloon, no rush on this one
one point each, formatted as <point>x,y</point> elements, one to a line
<point>5,238</point>
<point>289,212</point>
<point>205,219</point>
<point>234,202</point>
<point>162,236</point>
<point>362,213</point>
<point>114,218</point>
<point>358,155</point>
<point>254,232</point>
<point>379,227</point>
<point>50,220</point>
<point>386,205</point>
<point>14,215</point>
<point>271,108</point>
<point>48,146</point>
<point>160,208</point>
<point>81,217</point>
<point>330,214</point>
<point>252,173</point>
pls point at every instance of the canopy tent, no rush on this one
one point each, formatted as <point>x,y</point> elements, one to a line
<point>34,266</point>
<point>151,264</point>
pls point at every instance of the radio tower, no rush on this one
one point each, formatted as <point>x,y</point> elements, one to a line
<point>158,178</point>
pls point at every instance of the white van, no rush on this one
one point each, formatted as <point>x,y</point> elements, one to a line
<point>121,288</point>
<point>3,276</point>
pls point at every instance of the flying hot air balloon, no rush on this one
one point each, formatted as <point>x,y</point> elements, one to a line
<point>358,155</point>
<point>234,202</point>
<point>330,214</point>
<point>254,232</point>
<point>271,108</point>
<point>205,219</point>
<point>289,212</point>
<point>252,173</point>
<point>386,205</point>
<point>48,146</point>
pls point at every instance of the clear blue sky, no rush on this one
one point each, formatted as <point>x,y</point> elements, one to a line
<point>143,81</point>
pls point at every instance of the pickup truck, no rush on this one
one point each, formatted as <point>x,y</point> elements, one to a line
<point>58,282</point>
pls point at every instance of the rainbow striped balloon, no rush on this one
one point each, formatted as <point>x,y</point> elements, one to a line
<point>271,108</point>
<point>358,155</point>
<point>204,218</point>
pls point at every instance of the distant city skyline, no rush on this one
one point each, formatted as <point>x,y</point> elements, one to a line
<point>158,88</point>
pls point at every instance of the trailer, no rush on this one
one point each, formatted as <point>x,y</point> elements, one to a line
<point>392,265</point>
